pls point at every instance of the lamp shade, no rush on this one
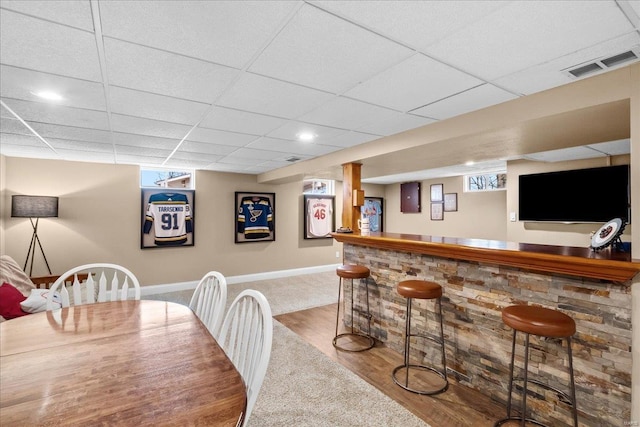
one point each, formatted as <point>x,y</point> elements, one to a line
<point>34,206</point>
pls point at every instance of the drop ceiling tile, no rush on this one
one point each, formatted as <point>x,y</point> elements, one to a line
<point>156,71</point>
<point>240,121</point>
<point>398,123</point>
<point>186,163</point>
<point>207,148</point>
<point>83,146</point>
<point>237,161</point>
<point>52,48</point>
<point>311,51</point>
<point>414,23</point>
<point>565,154</point>
<point>635,5</point>
<point>287,148</point>
<point>29,151</point>
<point>141,160</point>
<point>204,158</point>
<point>222,167</point>
<point>137,125</point>
<point>225,32</point>
<point>71,133</point>
<point>554,73</point>
<point>350,139</point>
<point>220,137</point>
<point>141,151</point>
<point>613,148</point>
<point>8,125</point>
<point>417,81</point>
<point>19,83</point>
<point>70,12</point>
<point>272,97</point>
<point>144,141</point>
<point>291,130</point>
<point>545,31</point>
<point>22,140</point>
<point>58,114</point>
<point>346,113</point>
<point>473,99</point>
<point>91,157</point>
<point>257,155</point>
<point>155,107</point>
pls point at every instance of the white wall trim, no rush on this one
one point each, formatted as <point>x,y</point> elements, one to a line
<point>183,286</point>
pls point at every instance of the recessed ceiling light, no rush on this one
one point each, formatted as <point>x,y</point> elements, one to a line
<point>469,163</point>
<point>306,136</point>
<point>48,95</point>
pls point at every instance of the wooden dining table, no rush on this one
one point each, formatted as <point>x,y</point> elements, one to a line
<point>129,363</point>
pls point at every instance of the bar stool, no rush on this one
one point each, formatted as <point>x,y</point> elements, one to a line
<point>420,289</point>
<point>545,322</point>
<point>353,272</point>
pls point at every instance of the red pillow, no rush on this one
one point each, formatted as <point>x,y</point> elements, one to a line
<point>10,299</point>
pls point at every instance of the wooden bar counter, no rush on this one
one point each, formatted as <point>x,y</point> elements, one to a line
<point>480,278</point>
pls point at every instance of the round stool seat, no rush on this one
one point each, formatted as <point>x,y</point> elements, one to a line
<point>420,289</point>
<point>539,321</point>
<point>348,271</point>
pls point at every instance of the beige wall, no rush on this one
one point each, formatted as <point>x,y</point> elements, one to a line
<point>100,208</point>
<point>3,202</point>
<point>553,233</point>
<point>480,215</point>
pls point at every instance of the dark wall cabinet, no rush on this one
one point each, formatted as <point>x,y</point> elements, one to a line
<point>410,197</point>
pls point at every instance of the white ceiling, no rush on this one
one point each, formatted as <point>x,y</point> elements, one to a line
<point>228,85</point>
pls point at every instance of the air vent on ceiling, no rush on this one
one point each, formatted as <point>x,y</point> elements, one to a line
<point>604,63</point>
<point>292,159</point>
<point>585,69</point>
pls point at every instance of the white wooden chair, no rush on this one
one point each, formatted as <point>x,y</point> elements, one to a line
<point>246,337</point>
<point>209,300</point>
<point>104,282</point>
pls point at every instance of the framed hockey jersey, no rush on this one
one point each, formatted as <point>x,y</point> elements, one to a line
<point>167,218</point>
<point>319,216</point>
<point>255,219</point>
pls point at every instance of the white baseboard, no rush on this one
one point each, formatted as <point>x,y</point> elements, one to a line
<point>183,286</point>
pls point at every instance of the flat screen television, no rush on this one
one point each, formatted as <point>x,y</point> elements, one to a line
<point>582,195</point>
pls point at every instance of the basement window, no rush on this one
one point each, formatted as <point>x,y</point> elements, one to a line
<point>167,178</point>
<point>318,186</point>
<point>486,182</point>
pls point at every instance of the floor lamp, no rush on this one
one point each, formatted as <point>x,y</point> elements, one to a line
<point>34,207</point>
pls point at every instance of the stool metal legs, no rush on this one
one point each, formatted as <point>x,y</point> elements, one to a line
<point>407,350</point>
<point>370,341</point>
<point>571,400</point>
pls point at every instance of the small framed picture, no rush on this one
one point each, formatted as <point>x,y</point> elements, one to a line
<point>437,211</point>
<point>255,219</point>
<point>436,192</point>
<point>319,216</point>
<point>451,202</point>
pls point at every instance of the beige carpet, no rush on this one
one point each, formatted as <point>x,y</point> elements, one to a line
<point>303,387</point>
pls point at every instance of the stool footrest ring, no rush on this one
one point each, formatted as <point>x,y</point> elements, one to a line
<point>422,368</point>
<point>528,420</point>
<point>372,342</point>
<point>562,396</point>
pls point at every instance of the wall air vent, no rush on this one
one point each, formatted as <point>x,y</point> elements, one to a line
<point>604,63</point>
<point>292,159</point>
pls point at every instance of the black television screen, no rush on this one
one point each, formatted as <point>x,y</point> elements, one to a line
<point>582,195</point>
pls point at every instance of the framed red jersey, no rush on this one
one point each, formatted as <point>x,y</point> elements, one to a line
<point>319,216</point>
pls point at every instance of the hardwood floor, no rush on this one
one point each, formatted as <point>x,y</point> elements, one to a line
<point>458,406</point>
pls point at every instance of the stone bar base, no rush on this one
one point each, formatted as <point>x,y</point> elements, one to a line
<point>478,344</point>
